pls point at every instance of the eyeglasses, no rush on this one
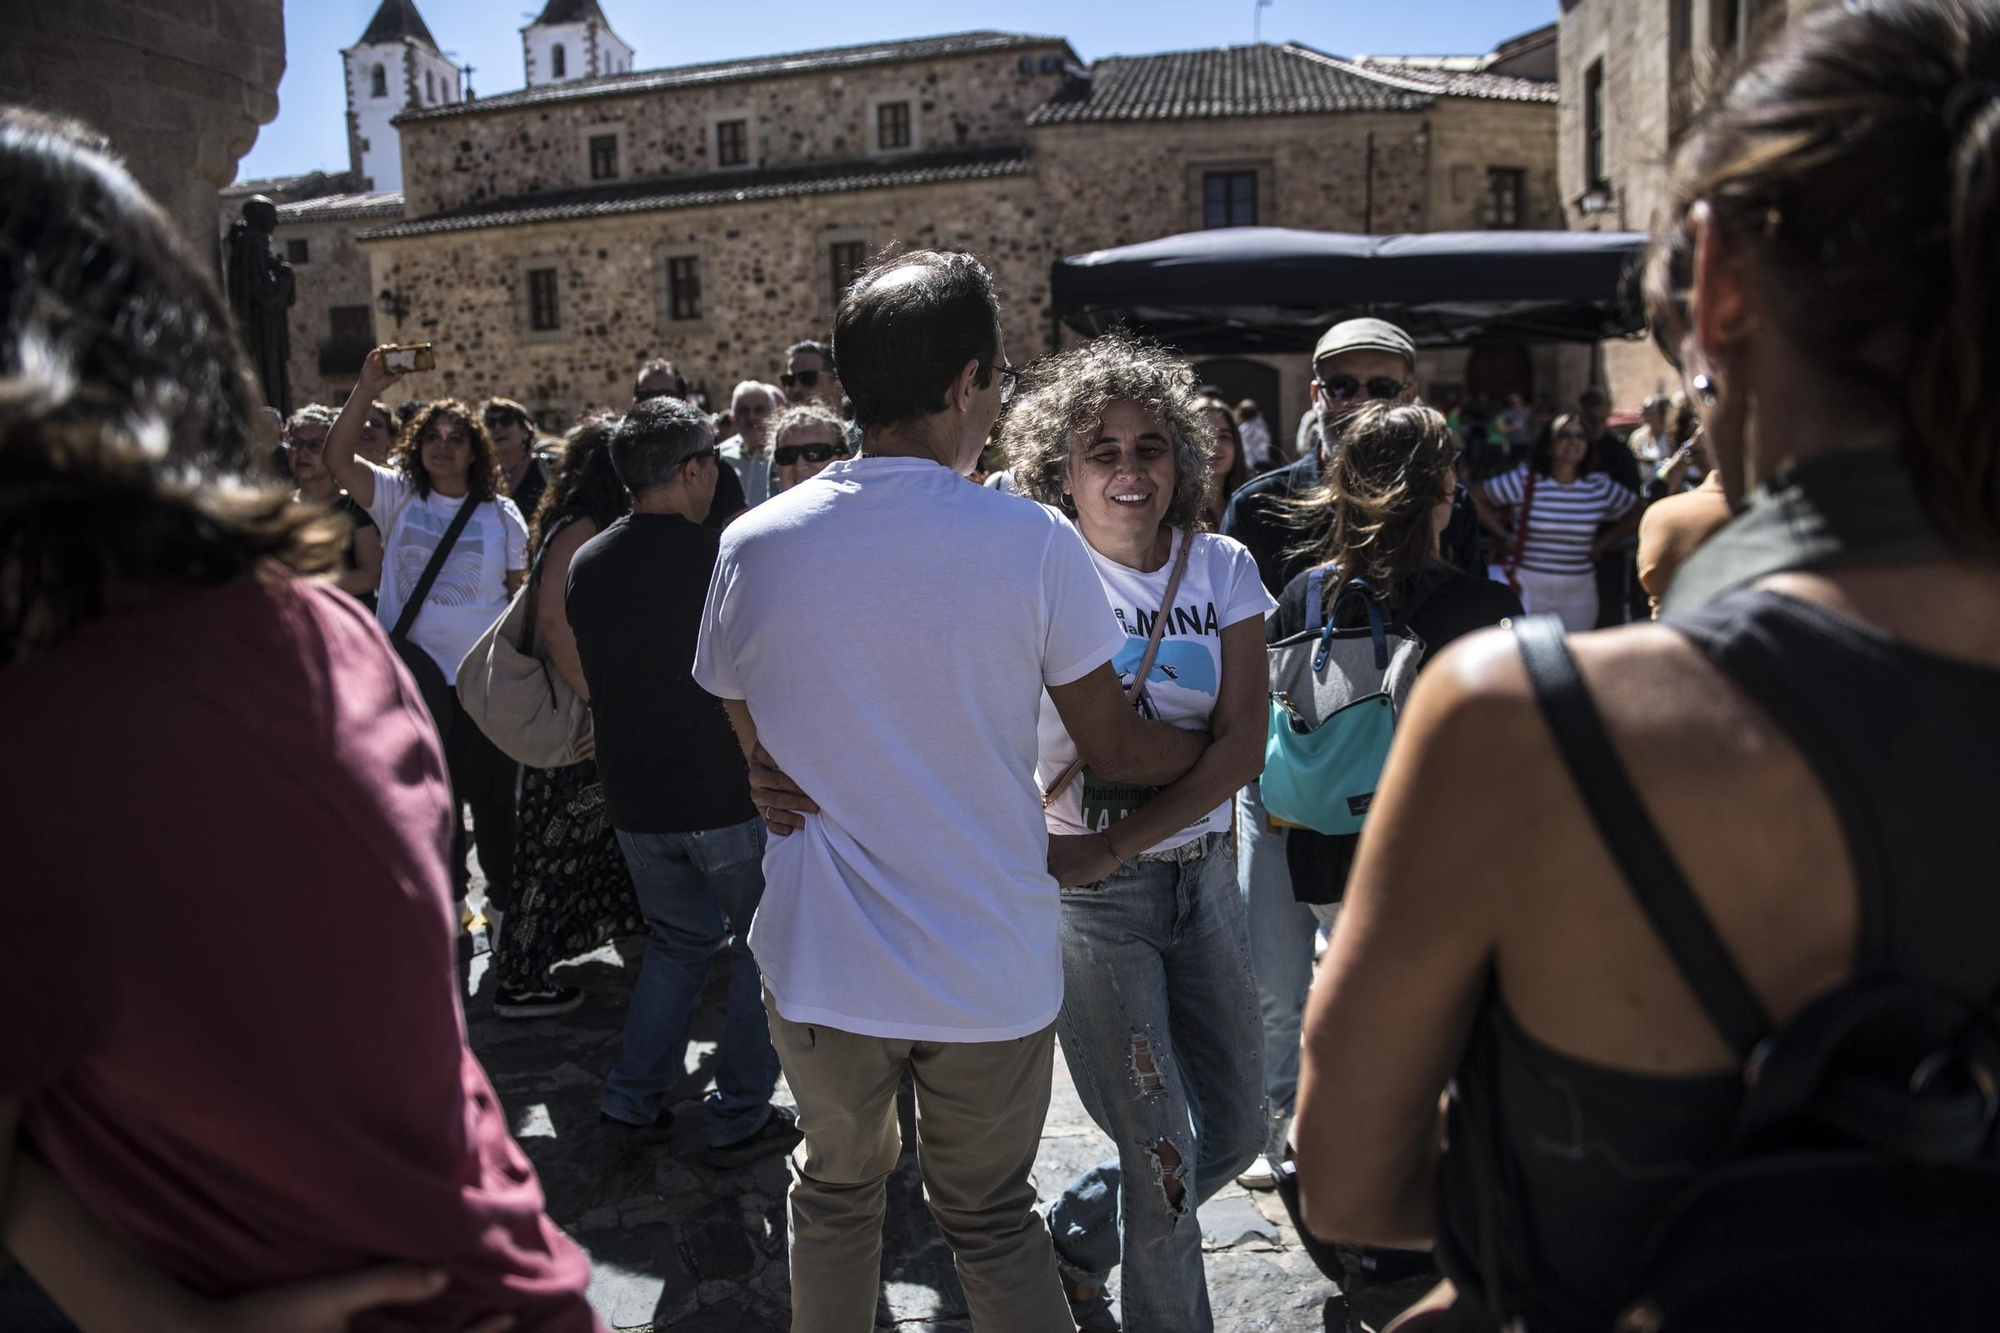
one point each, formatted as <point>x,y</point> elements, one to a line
<point>306,446</point>
<point>788,454</point>
<point>1010,379</point>
<point>645,395</point>
<point>802,379</point>
<point>1343,387</point>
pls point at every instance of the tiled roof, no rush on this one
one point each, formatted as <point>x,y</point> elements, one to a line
<point>341,207</point>
<point>1448,81</point>
<point>1289,80</point>
<point>1228,81</point>
<point>729,71</point>
<point>395,21</point>
<point>570,11</point>
<point>716,188</point>
<point>268,185</point>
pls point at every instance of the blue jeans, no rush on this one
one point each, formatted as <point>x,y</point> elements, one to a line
<point>1281,945</point>
<point>698,891</point>
<point>1160,1027</point>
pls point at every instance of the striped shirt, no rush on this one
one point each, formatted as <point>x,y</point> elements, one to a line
<point>1563,520</point>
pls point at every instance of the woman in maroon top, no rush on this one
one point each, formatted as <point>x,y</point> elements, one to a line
<point>234,1078</point>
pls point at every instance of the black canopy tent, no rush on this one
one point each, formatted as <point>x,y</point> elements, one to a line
<point>1272,289</point>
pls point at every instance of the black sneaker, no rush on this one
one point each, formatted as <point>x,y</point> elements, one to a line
<point>545,1002</point>
<point>660,1128</point>
<point>779,1134</point>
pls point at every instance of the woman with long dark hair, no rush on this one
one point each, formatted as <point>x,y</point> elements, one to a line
<point>444,460</point>
<point>1826,272</point>
<point>572,890</point>
<point>233,1055</point>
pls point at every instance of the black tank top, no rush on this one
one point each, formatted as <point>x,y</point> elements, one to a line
<point>1568,1164</point>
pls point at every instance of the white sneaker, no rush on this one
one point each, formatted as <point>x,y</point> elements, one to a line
<point>1262,1175</point>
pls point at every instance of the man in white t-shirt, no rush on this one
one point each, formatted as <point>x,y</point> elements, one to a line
<point>910,924</point>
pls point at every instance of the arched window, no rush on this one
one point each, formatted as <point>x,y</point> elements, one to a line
<point>558,63</point>
<point>380,82</point>
<point>430,87</point>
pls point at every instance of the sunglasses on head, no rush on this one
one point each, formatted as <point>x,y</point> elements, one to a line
<point>801,379</point>
<point>1340,388</point>
<point>788,454</point>
<point>645,395</point>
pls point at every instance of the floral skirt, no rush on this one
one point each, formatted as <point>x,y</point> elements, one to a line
<point>572,892</point>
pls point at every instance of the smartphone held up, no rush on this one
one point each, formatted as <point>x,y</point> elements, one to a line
<point>409,358</point>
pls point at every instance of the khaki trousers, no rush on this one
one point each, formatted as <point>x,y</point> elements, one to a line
<point>980,1108</point>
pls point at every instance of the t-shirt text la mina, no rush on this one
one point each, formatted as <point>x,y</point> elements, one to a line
<point>1219,588</point>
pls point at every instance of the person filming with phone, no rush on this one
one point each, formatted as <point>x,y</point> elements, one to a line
<point>454,551</point>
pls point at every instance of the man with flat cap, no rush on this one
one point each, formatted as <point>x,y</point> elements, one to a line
<point>1355,361</point>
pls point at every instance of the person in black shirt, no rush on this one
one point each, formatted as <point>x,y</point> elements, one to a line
<point>675,784</point>
<point>659,379</point>
<point>514,442</point>
<point>1619,596</point>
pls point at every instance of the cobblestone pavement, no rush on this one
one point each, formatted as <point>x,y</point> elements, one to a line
<point>676,1245</point>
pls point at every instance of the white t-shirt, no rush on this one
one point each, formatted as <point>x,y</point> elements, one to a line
<point>471,589</point>
<point>892,629</point>
<point>1256,440</point>
<point>1220,588</point>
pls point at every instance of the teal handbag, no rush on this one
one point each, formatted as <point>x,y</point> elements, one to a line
<point>1335,697</point>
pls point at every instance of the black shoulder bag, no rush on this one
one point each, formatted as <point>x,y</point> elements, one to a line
<point>436,691</point>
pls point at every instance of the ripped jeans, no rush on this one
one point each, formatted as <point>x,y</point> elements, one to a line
<point>1163,1035</point>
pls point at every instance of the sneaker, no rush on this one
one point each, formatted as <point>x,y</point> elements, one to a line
<point>1092,1313</point>
<point>660,1128</point>
<point>779,1134</point>
<point>1262,1175</point>
<point>545,1002</point>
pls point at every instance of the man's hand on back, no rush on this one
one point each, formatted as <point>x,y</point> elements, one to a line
<point>778,798</point>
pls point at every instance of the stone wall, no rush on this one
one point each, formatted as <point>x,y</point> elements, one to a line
<point>1649,95</point>
<point>180,86</point>
<point>335,273</point>
<point>765,267</point>
<point>966,101</point>
<point>764,279</point>
<point>1467,137</point>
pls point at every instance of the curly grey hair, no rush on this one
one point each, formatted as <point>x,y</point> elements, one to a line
<point>802,414</point>
<point>312,414</point>
<point>1065,394</point>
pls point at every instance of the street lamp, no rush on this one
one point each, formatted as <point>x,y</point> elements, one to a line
<point>392,304</point>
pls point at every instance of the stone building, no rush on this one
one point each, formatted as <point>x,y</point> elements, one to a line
<point>572,39</point>
<point>396,65</point>
<point>180,89</point>
<point>552,239</point>
<point>1633,73</point>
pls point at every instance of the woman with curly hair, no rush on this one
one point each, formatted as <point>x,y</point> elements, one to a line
<point>444,461</point>
<point>572,891</point>
<point>192,1110</point>
<point>1160,1021</point>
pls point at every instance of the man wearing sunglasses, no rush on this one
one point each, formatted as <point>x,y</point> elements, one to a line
<point>659,379</point>
<point>1356,362</point>
<point>809,376</point>
<point>809,438</point>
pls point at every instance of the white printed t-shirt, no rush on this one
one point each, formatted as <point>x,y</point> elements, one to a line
<point>1220,588</point>
<point>471,589</point>
<point>891,629</point>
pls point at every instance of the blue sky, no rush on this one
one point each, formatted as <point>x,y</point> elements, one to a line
<point>309,132</point>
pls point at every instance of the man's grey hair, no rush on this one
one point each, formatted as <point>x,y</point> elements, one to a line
<point>655,438</point>
<point>312,414</point>
<point>749,387</point>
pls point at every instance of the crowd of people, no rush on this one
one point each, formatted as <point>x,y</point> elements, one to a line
<point>1636,919</point>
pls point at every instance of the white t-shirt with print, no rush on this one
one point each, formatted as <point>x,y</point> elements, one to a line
<point>471,589</point>
<point>1220,588</point>
<point>891,629</point>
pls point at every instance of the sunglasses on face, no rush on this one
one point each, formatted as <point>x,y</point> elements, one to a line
<point>495,423</point>
<point>788,454</point>
<point>1340,388</point>
<point>800,379</point>
<point>1572,435</point>
<point>645,395</point>
<point>308,446</point>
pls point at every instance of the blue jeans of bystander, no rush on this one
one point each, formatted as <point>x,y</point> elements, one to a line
<point>1160,1027</point>
<point>698,891</point>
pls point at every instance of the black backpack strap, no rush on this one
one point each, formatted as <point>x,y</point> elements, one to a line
<point>1650,871</point>
<point>433,569</point>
